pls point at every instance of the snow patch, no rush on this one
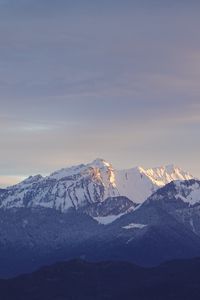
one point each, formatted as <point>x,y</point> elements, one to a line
<point>108,219</point>
<point>134,225</point>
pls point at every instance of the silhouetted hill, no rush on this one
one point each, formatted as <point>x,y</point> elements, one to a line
<point>80,280</point>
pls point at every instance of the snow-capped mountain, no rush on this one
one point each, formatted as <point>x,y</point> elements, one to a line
<point>71,187</point>
<point>139,183</point>
<point>187,191</point>
<point>165,226</point>
<point>84,186</point>
<point>181,199</point>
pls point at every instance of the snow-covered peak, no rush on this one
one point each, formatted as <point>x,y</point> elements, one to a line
<point>77,187</point>
<point>104,171</point>
<point>85,184</point>
<point>165,174</point>
<point>139,183</point>
<point>98,170</point>
<point>188,191</point>
<point>100,163</point>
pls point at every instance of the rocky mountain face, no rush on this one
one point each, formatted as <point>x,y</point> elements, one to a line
<point>74,187</point>
<point>90,188</point>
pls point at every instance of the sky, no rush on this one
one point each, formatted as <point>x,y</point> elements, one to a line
<point>114,79</point>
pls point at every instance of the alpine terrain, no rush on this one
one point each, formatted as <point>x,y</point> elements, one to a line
<point>95,212</point>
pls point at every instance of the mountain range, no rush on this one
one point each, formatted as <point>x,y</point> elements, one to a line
<point>95,212</point>
<point>82,280</point>
<point>84,185</point>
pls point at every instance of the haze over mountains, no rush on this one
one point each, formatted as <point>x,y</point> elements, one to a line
<point>145,216</point>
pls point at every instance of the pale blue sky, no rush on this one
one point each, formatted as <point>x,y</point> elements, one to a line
<point>86,79</point>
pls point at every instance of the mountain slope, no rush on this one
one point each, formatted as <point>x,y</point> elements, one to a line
<point>164,227</point>
<point>45,219</point>
<point>31,237</point>
<point>73,187</point>
<point>182,200</point>
<point>86,186</point>
<point>139,183</point>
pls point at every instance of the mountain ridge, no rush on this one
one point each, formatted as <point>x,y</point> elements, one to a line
<point>84,185</point>
<point>82,280</point>
<point>164,227</point>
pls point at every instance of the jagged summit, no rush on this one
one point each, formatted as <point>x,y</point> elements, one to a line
<point>28,181</point>
<point>165,174</point>
<point>85,184</point>
<point>100,162</point>
<point>139,183</point>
